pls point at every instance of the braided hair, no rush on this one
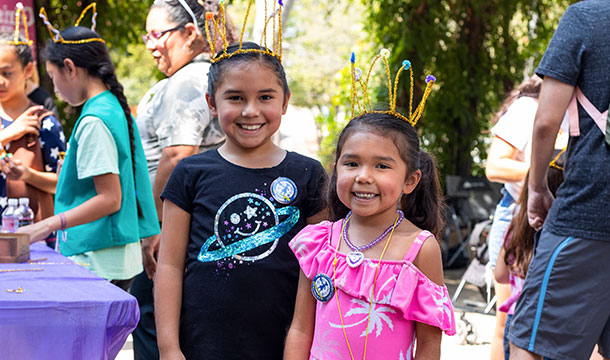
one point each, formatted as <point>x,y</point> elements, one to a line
<point>95,58</point>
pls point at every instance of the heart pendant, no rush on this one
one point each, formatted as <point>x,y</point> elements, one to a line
<point>354,258</point>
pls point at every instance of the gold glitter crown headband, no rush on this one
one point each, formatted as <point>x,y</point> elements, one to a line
<point>363,107</point>
<point>56,36</point>
<point>220,26</point>
<point>19,13</point>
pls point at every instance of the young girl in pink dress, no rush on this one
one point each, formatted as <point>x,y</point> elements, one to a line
<point>376,295</point>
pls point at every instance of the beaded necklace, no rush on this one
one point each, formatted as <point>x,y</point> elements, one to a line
<point>366,338</point>
<point>356,257</point>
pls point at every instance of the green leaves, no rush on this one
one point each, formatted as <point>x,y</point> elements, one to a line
<point>478,50</point>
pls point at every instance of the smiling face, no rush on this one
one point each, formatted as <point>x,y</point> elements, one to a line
<point>170,51</point>
<point>371,175</point>
<point>249,103</point>
<point>13,75</point>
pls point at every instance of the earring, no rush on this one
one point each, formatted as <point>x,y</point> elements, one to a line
<point>190,51</point>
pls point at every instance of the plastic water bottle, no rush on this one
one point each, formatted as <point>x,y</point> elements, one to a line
<point>24,215</point>
<point>9,223</point>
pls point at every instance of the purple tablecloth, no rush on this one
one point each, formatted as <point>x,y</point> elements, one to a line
<point>65,311</point>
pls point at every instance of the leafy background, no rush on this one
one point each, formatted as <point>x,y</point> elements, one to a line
<point>478,50</point>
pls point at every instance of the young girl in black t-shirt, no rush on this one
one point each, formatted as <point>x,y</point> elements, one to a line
<point>226,281</point>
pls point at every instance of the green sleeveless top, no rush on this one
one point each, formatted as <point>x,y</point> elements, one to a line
<point>124,226</point>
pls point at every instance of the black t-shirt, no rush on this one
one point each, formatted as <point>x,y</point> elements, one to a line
<point>578,55</point>
<point>241,277</point>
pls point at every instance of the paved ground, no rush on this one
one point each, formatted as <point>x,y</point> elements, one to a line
<point>482,324</point>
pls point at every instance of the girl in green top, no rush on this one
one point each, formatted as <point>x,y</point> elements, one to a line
<point>103,203</point>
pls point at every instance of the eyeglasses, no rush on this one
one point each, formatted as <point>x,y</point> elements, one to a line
<point>156,35</point>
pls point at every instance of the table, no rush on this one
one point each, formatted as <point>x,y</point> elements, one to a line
<point>64,311</point>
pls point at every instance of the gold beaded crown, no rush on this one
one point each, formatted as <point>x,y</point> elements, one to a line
<point>363,106</point>
<point>220,26</point>
<point>19,15</point>
<point>56,36</point>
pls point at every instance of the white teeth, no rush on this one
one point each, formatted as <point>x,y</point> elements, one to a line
<point>251,127</point>
<point>365,195</point>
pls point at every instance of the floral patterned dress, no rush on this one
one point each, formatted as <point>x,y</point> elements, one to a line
<point>403,295</point>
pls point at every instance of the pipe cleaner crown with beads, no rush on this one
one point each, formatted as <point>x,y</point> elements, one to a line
<point>19,15</point>
<point>361,107</point>
<point>56,36</point>
<point>219,25</point>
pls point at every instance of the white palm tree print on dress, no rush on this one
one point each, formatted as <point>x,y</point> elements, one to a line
<point>378,312</point>
<point>441,299</point>
<point>327,348</point>
<point>300,247</point>
<point>409,352</point>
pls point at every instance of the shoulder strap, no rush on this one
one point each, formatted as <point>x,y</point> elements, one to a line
<point>598,117</point>
<point>417,244</point>
<point>335,233</point>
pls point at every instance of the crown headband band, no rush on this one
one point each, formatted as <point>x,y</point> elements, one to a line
<point>191,13</point>
<point>56,36</point>
<point>20,15</point>
<point>364,106</point>
<point>220,26</point>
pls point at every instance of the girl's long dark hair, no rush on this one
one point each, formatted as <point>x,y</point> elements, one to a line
<point>424,206</point>
<point>519,243</point>
<point>94,57</point>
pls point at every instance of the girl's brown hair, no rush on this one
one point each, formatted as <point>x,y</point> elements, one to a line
<point>519,239</point>
<point>529,87</point>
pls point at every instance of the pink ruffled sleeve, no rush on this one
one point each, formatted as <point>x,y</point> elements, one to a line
<point>308,247</point>
<point>423,301</point>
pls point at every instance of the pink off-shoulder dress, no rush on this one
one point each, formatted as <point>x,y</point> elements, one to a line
<point>403,295</point>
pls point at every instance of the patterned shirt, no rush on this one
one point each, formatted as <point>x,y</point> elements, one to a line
<point>174,112</point>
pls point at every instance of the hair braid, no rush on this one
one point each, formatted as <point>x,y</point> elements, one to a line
<point>94,57</point>
<point>110,79</point>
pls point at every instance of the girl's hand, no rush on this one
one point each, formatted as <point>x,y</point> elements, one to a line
<point>538,205</point>
<point>27,123</point>
<point>150,249</point>
<point>37,231</point>
<point>15,170</point>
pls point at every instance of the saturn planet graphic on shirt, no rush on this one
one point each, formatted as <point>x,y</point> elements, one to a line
<point>247,222</point>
